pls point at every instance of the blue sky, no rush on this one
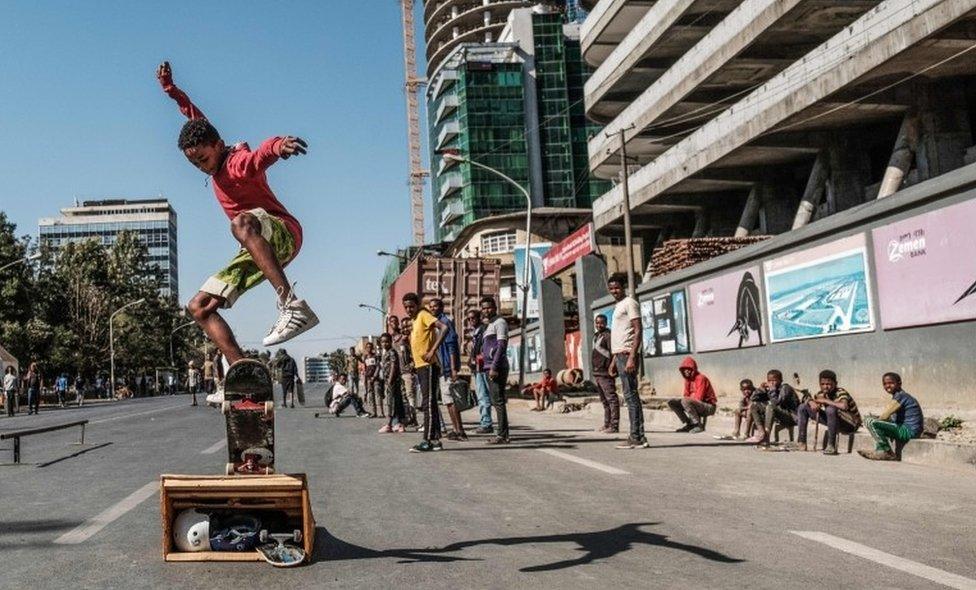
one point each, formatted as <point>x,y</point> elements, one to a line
<point>81,115</point>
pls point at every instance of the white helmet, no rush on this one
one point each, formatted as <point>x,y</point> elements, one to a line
<point>191,531</point>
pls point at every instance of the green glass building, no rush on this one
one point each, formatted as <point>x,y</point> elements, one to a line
<point>517,106</point>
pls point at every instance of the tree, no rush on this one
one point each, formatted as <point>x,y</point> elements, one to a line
<point>337,361</point>
<point>15,289</point>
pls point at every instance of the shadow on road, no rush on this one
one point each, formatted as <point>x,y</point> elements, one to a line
<point>37,526</point>
<point>597,545</point>
<point>88,449</point>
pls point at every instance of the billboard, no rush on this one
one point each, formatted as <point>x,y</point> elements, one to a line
<point>664,320</point>
<point>822,291</point>
<point>538,251</point>
<point>576,245</point>
<point>923,267</point>
<point>726,311</point>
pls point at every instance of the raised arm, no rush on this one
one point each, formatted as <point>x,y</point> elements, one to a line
<point>245,163</point>
<point>165,76</point>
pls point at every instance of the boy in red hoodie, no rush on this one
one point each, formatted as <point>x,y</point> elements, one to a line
<point>697,401</point>
<point>269,235</point>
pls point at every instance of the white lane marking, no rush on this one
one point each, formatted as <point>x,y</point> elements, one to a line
<point>124,416</point>
<point>586,462</point>
<point>214,447</point>
<point>893,561</point>
<point>83,532</point>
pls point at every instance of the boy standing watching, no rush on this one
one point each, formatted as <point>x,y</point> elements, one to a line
<point>269,235</point>
<point>601,360</point>
<point>426,337</point>
<point>625,341</point>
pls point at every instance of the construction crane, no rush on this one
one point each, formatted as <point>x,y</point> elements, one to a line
<point>412,87</point>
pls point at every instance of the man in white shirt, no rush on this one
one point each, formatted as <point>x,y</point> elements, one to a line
<point>625,342</point>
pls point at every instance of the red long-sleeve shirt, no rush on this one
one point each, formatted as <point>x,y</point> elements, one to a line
<point>241,183</point>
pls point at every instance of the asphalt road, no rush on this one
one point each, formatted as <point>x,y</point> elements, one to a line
<point>560,507</point>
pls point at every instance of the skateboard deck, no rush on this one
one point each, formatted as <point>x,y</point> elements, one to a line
<point>300,392</point>
<point>248,410</point>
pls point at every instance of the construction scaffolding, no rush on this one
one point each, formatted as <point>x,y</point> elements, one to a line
<point>412,86</point>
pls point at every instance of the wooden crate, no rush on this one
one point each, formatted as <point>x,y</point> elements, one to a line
<point>288,493</point>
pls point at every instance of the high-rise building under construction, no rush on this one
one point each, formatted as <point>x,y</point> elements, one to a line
<point>515,105</point>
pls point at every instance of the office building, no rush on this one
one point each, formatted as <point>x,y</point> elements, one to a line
<point>317,370</point>
<point>152,220</point>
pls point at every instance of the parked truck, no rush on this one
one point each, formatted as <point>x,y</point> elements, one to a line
<point>460,282</point>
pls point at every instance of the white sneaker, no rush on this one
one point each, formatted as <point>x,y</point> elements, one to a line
<point>294,318</point>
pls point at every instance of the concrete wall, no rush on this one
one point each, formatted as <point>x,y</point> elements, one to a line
<point>937,363</point>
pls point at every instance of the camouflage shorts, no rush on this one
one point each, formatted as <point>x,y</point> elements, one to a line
<point>242,273</point>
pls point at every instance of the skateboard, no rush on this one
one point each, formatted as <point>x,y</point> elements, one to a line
<point>278,552</point>
<point>248,409</point>
<point>300,392</point>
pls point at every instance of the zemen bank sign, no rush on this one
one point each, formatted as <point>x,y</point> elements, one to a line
<point>577,245</point>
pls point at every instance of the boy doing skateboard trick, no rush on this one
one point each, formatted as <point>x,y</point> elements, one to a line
<point>269,235</point>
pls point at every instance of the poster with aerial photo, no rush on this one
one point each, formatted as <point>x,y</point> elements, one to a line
<point>726,311</point>
<point>823,291</point>
<point>926,267</point>
<point>664,319</point>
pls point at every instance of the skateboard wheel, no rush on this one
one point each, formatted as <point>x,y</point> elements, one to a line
<point>297,535</point>
<point>268,408</point>
<point>229,469</point>
<point>225,408</point>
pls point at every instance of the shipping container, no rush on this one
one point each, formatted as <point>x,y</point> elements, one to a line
<point>460,282</point>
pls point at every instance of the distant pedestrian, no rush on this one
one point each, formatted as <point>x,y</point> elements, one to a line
<point>352,370</point>
<point>449,353</point>
<point>100,389</point>
<point>401,342</point>
<point>34,382</point>
<point>371,371</point>
<point>193,381</point>
<point>901,421</point>
<point>389,380</point>
<point>209,374</point>
<point>61,389</point>
<point>79,390</point>
<point>625,343</point>
<point>601,359</point>
<point>287,378</point>
<point>476,362</point>
<point>494,346</point>
<point>10,389</point>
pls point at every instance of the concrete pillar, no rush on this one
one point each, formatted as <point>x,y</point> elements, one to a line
<point>701,224</point>
<point>591,284</point>
<point>778,198</point>
<point>750,214</point>
<point>902,156</point>
<point>813,193</point>
<point>551,323</point>
<point>850,171</point>
<point>944,132</point>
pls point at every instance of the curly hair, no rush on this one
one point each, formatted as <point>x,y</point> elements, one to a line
<point>197,132</point>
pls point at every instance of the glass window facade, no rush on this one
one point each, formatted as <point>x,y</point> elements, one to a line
<point>159,236</point>
<point>499,242</point>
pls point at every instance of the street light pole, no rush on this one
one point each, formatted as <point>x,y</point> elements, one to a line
<point>34,256</point>
<point>528,259</point>
<point>111,342</point>
<point>628,234</point>
<point>172,358</point>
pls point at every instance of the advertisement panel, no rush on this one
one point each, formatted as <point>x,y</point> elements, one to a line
<point>726,311</point>
<point>576,245</point>
<point>921,267</point>
<point>664,320</point>
<point>821,291</point>
<point>537,253</point>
